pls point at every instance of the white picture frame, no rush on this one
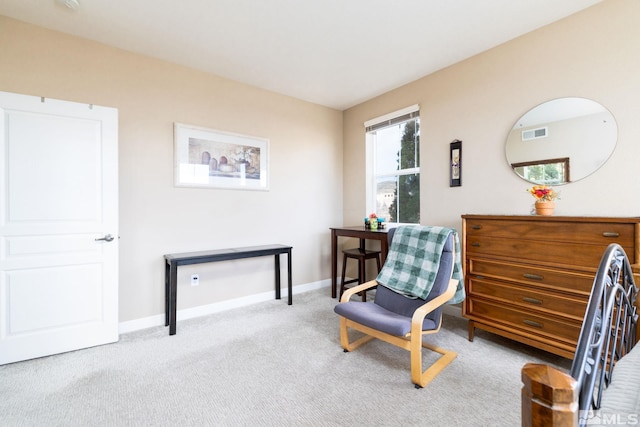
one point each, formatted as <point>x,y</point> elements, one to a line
<point>210,158</point>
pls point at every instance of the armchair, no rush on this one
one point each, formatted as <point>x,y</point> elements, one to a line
<point>400,319</point>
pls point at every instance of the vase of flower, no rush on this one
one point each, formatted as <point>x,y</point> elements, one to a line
<point>545,197</point>
<point>545,207</point>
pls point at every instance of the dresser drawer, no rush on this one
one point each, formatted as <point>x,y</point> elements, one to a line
<point>571,255</point>
<point>562,280</point>
<point>529,321</point>
<point>598,233</point>
<point>526,298</point>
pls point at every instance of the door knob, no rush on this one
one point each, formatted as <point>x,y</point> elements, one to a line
<point>107,238</point>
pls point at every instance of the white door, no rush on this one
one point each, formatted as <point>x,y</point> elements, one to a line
<point>58,198</point>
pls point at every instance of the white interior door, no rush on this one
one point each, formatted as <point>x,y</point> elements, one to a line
<point>58,198</point>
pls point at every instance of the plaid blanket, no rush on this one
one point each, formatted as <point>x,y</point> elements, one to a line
<point>413,260</point>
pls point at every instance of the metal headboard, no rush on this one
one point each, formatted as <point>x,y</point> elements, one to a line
<point>608,331</point>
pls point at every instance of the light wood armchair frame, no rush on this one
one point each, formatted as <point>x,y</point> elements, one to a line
<point>412,341</point>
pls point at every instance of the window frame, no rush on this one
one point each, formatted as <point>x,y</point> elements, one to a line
<point>562,165</point>
<point>394,118</point>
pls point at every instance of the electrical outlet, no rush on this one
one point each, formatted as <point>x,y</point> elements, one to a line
<point>195,280</point>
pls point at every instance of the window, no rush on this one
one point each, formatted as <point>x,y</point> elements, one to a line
<point>393,166</point>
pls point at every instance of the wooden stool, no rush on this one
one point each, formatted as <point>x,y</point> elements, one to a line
<point>361,255</point>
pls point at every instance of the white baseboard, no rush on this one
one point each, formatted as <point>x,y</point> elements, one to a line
<point>203,310</point>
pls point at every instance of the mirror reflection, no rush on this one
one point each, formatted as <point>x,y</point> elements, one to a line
<point>561,141</point>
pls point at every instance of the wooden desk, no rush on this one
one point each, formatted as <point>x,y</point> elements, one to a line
<point>187,258</point>
<point>358,232</point>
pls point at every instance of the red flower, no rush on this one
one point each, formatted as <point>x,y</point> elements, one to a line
<point>542,192</point>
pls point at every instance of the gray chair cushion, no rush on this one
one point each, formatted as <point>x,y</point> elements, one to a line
<point>381,319</point>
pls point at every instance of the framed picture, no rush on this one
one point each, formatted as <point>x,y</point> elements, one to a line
<point>215,159</point>
<point>455,170</point>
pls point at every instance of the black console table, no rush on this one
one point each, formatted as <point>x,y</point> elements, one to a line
<point>187,258</point>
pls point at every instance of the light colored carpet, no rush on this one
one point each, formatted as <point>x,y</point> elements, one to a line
<point>267,365</point>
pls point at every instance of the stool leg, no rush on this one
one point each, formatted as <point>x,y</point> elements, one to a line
<point>379,267</point>
<point>362,276</point>
<point>344,271</point>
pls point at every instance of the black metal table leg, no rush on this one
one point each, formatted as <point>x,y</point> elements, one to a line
<point>167,293</point>
<point>290,284</point>
<point>277,256</point>
<point>173,288</point>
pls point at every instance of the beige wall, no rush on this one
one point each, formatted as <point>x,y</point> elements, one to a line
<point>594,54</point>
<point>304,200</point>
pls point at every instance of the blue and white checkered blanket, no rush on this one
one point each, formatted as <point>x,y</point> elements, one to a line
<point>412,264</point>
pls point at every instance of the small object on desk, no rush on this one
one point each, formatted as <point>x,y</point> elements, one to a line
<point>373,221</point>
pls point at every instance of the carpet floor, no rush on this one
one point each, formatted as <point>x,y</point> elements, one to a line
<point>268,364</point>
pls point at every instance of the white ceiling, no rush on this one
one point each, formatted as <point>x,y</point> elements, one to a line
<point>336,53</point>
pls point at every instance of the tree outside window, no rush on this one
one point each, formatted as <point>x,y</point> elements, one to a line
<point>397,171</point>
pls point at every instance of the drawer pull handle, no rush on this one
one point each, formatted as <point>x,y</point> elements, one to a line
<point>533,276</point>
<point>476,227</point>
<point>610,234</point>
<point>532,323</point>
<point>532,300</point>
<point>476,244</point>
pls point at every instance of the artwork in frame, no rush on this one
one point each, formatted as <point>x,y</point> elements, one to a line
<point>455,170</point>
<point>211,158</point>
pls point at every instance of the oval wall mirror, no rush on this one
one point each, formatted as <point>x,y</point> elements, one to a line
<point>561,141</point>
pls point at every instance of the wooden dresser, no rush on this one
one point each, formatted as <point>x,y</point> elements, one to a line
<point>528,278</point>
